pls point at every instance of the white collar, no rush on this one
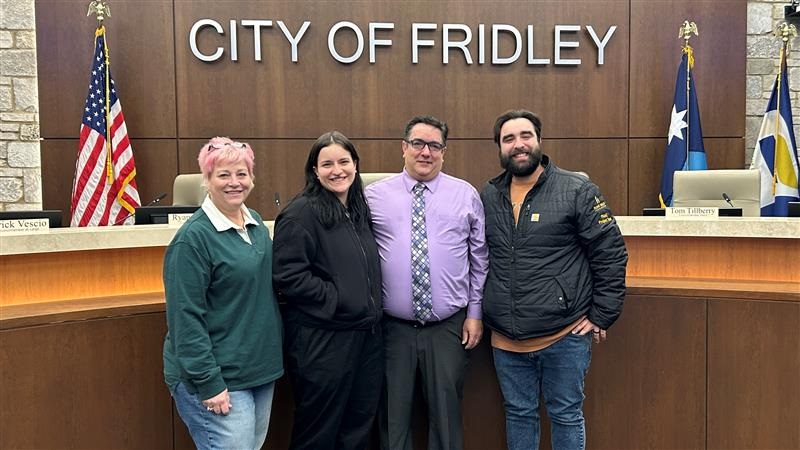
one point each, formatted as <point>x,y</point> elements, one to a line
<point>222,223</point>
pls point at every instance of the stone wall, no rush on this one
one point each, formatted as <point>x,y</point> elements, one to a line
<point>20,161</point>
<point>763,51</point>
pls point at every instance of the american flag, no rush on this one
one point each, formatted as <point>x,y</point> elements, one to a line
<point>104,190</point>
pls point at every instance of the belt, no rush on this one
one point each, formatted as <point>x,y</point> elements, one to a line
<point>413,323</point>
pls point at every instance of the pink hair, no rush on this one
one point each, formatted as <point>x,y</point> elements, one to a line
<point>210,156</point>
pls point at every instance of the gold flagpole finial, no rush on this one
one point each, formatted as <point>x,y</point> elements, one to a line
<point>686,30</point>
<point>786,31</point>
<point>100,9</point>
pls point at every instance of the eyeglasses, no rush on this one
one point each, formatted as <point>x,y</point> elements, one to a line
<point>419,145</point>
<point>220,146</point>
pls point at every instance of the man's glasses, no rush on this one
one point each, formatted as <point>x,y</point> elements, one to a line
<point>220,146</point>
<point>419,145</point>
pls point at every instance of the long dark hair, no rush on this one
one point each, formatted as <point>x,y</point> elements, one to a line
<point>328,208</point>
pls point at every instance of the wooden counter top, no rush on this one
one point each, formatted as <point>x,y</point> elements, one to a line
<point>103,238</point>
<point>33,314</point>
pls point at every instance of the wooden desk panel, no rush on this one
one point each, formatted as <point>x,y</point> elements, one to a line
<point>94,384</point>
<point>756,259</point>
<point>678,368</point>
<point>647,382</point>
<point>47,277</point>
<point>753,375</point>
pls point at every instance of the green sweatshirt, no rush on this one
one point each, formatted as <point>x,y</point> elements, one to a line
<point>224,328</point>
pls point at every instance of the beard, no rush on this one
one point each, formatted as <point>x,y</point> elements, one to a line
<point>522,168</point>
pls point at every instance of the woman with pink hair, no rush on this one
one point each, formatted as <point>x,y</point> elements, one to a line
<point>222,352</point>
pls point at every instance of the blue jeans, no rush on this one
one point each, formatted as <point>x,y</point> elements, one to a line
<point>557,372</point>
<point>245,427</point>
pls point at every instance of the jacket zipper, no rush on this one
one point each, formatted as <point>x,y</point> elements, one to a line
<point>366,267</point>
<point>523,212</point>
<point>510,217</point>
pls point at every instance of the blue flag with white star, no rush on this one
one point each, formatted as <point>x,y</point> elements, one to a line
<point>685,149</point>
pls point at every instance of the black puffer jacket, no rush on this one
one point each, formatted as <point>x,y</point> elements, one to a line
<point>565,258</point>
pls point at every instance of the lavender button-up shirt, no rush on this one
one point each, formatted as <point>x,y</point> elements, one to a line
<point>456,243</point>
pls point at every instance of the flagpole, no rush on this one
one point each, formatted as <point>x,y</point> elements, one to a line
<point>100,9</point>
<point>685,32</point>
<point>777,121</point>
<point>785,31</point>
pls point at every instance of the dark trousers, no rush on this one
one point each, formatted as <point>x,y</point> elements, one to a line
<point>337,379</point>
<point>436,351</point>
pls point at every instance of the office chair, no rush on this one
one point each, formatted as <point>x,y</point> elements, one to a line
<point>371,177</point>
<point>705,188</point>
<point>188,189</point>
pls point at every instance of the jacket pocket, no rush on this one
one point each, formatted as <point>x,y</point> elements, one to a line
<point>564,295</point>
<point>544,304</point>
<point>353,298</point>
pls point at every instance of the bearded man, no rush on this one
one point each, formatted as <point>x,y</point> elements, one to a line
<point>556,282</point>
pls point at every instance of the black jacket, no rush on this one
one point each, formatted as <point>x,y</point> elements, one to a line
<point>565,257</point>
<point>329,277</point>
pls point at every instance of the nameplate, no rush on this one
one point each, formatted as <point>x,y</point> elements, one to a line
<point>24,226</point>
<point>175,220</point>
<point>692,213</point>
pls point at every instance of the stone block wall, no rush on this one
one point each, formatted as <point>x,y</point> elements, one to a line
<point>763,52</point>
<point>20,161</point>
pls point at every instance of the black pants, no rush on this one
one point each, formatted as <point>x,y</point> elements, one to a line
<point>337,379</point>
<point>436,351</point>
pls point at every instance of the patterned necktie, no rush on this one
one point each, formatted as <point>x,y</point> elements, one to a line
<point>420,266</point>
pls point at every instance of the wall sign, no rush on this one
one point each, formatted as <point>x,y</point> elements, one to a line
<point>466,43</point>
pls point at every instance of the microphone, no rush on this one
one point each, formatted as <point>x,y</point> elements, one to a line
<point>727,199</point>
<point>152,202</point>
<point>277,198</point>
<point>157,199</point>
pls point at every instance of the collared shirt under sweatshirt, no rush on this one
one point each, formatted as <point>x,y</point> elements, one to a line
<point>224,328</point>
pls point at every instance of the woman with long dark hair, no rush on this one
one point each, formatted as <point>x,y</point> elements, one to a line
<point>326,269</point>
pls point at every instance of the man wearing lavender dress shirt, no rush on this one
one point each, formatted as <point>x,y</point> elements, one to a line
<point>458,257</point>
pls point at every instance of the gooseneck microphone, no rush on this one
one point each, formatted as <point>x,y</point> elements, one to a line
<point>727,199</point>
<point>151,203</point>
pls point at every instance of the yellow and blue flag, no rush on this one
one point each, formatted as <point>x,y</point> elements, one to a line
<point>685,149</point>
<point>776,150</point>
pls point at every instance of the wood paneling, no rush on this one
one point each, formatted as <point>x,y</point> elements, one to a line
<point>602,160</point>
<point>93,384</point>
<point>34,314</point>
<point>58,170</point>
<point>753,367</point>
<point>280,164</point>
<point>717,258</point>
<point>279,169</point>
<point>482,408</point>
<point>719,71</point>
<point>647,164</point>
<point>75,275</point>
<point>784,291</point>
<point>282,99</point>
<point>646,385</point>
<point>176,102</point>
<point>168,93</point>
<point>156,168</point>
<point>141,49</point>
